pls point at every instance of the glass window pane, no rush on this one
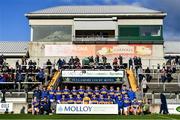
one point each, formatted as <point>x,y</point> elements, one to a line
<point>52,33</point>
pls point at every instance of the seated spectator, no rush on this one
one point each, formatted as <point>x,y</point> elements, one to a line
<point>41,76</point>
<point>104,59</point>
<point>115,62</point>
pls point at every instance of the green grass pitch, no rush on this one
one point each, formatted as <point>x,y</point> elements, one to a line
<point>87,117</point>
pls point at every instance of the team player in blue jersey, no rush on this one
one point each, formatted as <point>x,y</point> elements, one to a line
<point>127,104</point>
<point>35,106</point>
<point>70,100</point>
<point>104,91</point>
<point>89,92</point>
<point>96,92</point>
<point>52,94</point>
<point>120,103</point>
<point>66,92</point>
<point>78,99</point>
<point>94,100</point>
<point>63,100</point>
<point>44,93</point>
<point>111,92</point>
<point>58,95</point>
<point>108,100</point>
<point>74,92</point>
<point>81,91</point>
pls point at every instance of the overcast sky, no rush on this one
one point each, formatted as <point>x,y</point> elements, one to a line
<point>14,25</point>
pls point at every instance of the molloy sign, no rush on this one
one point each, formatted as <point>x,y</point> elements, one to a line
<point>174,108</point>
<point>92,50</point>
<point>6,107</point>
<point>93,73</point>
<point>86,109</point>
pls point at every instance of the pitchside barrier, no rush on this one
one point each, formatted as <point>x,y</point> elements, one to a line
<point>87,109</point>
<point>6,107</point>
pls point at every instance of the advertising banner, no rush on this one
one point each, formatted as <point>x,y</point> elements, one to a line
<point>110,74</point>
<point>6,107</point>
<point>93,80</point>
<point>174,108</point>
<point>92,50</point>
<point>87,109</point>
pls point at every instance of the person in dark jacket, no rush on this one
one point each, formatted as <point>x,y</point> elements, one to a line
<point>163,107</point>
<point>49,66</point>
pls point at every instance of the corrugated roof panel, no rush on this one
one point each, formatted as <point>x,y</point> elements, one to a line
<point>113,9</point>
<point>13,47</point>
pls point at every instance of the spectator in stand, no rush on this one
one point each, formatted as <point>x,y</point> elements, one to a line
<point>158,68</point>
<point>41,76</point>
<point>30,64</point>
<point>163,75</point>
<point>140,75</point>
<point>104,59</point>
<point>97,59</point>
<point>148,76</point>
<point>115,62</point>
<point>34,65</point>
<point>49,66</point>
<point>76,60</point>
<point>71,61</point>
<point>139,62</point>
<point>120,60</point>
<point>24,63</point>
<point>17,65</point>
<point>130,63</point>
<point>144,85</point>
<point>1,60</point>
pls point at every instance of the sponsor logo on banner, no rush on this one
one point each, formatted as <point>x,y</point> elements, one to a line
<point>93,50</point>
<point>6,107</point>
<point>86,109</point>
<point>174,108</point>
<point>93,74</point>
<point>90,79</point>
